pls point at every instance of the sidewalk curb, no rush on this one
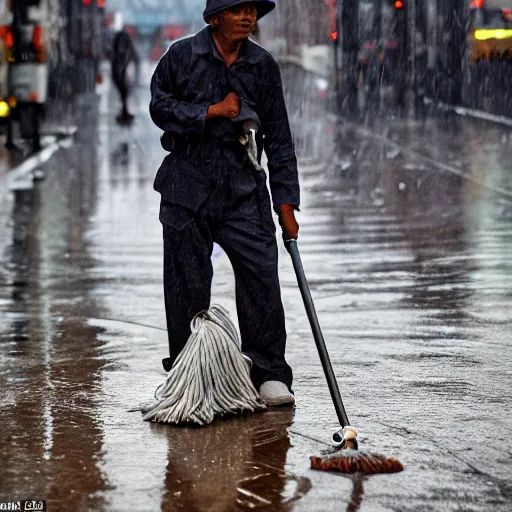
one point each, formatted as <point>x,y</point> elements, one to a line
<point>21,176</point>
<point>464,111</point>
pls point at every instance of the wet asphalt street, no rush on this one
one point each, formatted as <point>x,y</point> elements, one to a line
<point>406,239</point>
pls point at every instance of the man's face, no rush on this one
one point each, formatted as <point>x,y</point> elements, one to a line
<point>237,22</point>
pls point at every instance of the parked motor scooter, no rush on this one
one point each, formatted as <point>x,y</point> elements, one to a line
<point>27,80</point>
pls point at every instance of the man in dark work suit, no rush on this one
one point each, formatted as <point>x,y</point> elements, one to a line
<point>209,92</point>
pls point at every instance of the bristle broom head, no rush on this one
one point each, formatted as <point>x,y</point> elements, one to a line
<point>354,461</point>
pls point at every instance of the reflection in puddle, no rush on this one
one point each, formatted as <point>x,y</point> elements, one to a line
<point>235,464</point>
<point>356,498</point>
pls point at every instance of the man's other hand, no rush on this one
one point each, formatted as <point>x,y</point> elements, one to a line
<point>229,107</point>
<point>288,222</point>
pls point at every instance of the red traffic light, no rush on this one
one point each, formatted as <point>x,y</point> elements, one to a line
<point>398,4</point>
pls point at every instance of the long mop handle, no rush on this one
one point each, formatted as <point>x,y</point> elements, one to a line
<point>291,246</point>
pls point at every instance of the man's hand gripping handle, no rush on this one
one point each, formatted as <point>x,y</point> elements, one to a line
<point>287,221</point>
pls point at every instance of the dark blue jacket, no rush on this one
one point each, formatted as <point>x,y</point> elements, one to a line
<point>189,78</point>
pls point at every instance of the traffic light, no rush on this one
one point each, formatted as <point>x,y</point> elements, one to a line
<point>400,9</point>
<point>400,28</point>
<point>333,22</point>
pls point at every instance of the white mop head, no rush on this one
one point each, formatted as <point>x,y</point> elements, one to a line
<point>210,377</point>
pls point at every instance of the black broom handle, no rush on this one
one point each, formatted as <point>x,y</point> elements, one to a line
<point>291,246</point>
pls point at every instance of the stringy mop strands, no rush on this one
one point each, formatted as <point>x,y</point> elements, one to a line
<point>225,391</point>
<point>238,377</point>
<point>210,377</point>
<point>221,386</point>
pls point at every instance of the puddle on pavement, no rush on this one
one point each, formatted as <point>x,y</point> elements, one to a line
<point>418,268</point>
<point>235,464</point>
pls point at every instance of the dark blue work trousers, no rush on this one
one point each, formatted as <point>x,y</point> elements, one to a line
<point>245,229</point>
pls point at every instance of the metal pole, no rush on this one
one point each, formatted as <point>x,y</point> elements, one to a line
<point>411,23</point>
<point>350,48</point>
<point>454,16</point>
<point>377,20</point>
<point>291,246</point>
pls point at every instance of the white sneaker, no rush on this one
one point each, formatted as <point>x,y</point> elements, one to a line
<point>274,392</point>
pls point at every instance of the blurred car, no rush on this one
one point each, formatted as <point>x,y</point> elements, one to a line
<point>4,106</point>
<point>28,77</point>
<point>490,34</point>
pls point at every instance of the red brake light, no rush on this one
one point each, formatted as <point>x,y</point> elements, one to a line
<point>37,43</point>
<point>9,39</point>
<point>37,38</point>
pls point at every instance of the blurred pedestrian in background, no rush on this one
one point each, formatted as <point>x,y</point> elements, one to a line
<point>123,54</point>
